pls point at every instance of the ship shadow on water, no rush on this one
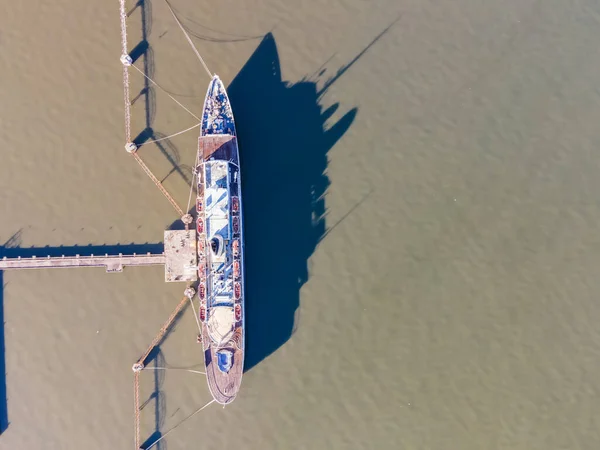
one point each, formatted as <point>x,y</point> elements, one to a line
<point>284,142</point>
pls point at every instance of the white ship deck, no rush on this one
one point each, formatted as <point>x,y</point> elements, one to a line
<point>219,295</point>
<point>220,247</point>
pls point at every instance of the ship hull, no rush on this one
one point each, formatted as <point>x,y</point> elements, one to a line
<point>220,246</point>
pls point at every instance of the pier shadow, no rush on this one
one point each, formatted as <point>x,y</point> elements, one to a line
<point>156,400</point>
<point>13,249</point>
<point>81,250</point>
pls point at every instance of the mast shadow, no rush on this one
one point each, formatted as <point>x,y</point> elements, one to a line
<point>284,135</point>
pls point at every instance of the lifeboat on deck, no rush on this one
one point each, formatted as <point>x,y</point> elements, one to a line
<point>202,271</point>
<point>236,247</point>
<point>237,290</point>
<point>202,313</point>
<point>200,225</point>
<point>238,312</point>
<point>236,224</point>
<point>235,204</point>
<point>202,291</point>
<point>201,247</point>
<point>199,204</point>
<point>236,269</point>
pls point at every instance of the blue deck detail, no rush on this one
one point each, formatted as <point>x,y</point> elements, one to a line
<point>217,117</point>
<point>224,360</point>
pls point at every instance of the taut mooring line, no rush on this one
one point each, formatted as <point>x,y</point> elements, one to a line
<point>188,417</point>
<point>187,36</point>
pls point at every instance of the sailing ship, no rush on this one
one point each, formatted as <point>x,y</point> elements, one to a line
<point>220,246</point>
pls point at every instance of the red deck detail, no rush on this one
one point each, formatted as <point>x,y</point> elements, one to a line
<point>219,146</point>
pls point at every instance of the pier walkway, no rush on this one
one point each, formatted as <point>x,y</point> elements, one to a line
<point>113,263</point>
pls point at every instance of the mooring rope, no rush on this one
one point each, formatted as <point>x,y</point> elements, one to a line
<point>152,141</point>
<point>194,175</point>
<point>174,368</point>
<point>163,330</point>
<point>158,86</point>
<point>139,366</point>
<point>188,417</point>
<point>158,184</point>
<point>187,36</point>
<point>196,316</point>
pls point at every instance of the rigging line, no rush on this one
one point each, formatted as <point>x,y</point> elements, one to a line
<point>191,191</point>
<point>187,36</point>
<point>188,417</point>
<point>174,368</point>
<point>196,317</point>
<point>194,174</point>
<point>168,137</point>
<point>170,96</point>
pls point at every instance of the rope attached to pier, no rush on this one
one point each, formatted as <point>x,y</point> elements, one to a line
<point>152,141</point>
<point>139,366</point>
<point>187,36</point>
<point>163,330</point>
<point>175,368</point>
<point>180,423</point>
<point>164,90</point>
<point>158,184</point>
<point>130,146</point>
<point>196,316</point>
<point>192,184</point>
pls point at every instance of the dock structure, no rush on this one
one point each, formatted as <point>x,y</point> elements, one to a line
<point>113,263</point>
<point>179,259</point>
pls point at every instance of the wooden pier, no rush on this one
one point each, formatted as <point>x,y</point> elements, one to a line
<point>113,263</point>
<point>179,259</point>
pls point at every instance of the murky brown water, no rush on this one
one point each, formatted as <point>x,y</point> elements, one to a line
<point>453,301</point>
